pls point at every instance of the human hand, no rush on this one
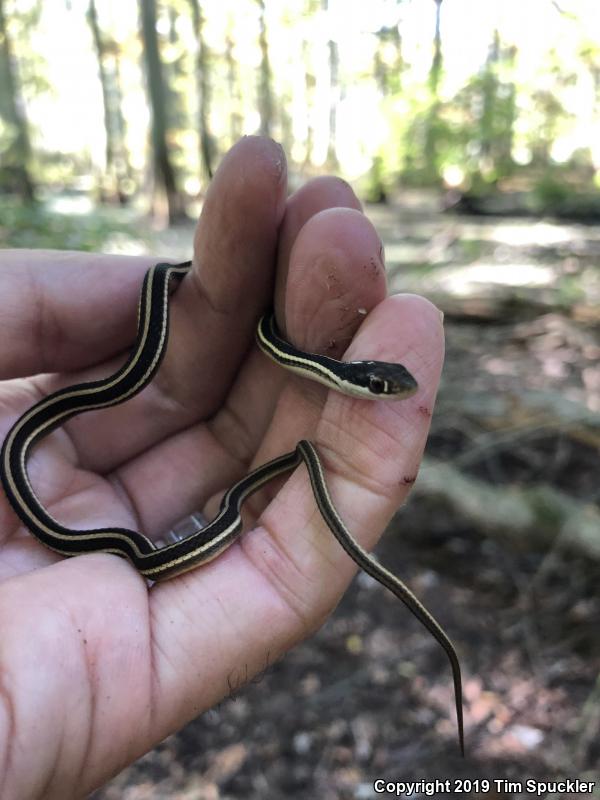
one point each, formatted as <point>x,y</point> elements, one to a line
<point>96,668</point>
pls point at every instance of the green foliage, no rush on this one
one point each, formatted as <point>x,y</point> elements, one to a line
<point>558,198</point>
<point>36,227</point>
<point>422,127</point>
<point>32,68</point>
<point>375,188</point>
<point>471,131</point>
<point>567,190</point>
<point>7,135</point>
<point>550,192</point>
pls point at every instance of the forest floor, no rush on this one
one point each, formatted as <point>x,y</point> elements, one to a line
<point>370,696</point>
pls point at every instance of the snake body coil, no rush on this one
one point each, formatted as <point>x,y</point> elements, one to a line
<point>366,379</point>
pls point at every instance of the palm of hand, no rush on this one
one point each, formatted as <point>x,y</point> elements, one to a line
<point>91,658</point>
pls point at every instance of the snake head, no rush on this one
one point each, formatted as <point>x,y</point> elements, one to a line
<point>379,379</point>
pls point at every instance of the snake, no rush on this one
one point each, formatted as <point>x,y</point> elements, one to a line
<point>367,380</point>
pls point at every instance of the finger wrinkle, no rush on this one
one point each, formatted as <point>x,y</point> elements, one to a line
<point>9,728</point>
<point>265,552</point>
<point>342,466</point>
<point>384,437</point>
<point>222,304</point>
<point>92,709</point>
<point>256,504</point>
<point>158,654</point>
<point>119,486</point>
<point>393,424</point>
<point>16,399</point>
<point>65,491</point>
<point>232,434</point>
<point>45,324</point>
<point>167,402</point>
<point>352,454</point>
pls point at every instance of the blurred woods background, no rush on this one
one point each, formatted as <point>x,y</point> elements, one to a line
<point>472,132</point>
<point>123,101</point>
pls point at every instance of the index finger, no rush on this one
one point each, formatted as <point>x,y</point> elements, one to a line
<point>213,313</point>
<point>53,314</point>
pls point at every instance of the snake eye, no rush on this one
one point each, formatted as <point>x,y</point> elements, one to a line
<point>376,385</point>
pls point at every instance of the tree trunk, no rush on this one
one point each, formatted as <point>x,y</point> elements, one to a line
<point>436,64</point>
<point>334,61</point>
<point>431,132</point>
<point>17,157</point>
<point>310,82</point>
<point>235,118</point>
<point>164,173</point>
<point>265,93</point>
<point>114,125</point>
<point>207,143</point>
